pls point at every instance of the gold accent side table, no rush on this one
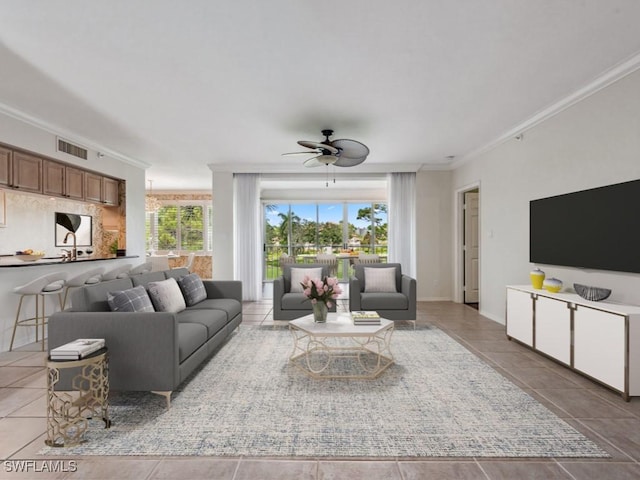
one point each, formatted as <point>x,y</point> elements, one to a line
<point>68,412</point>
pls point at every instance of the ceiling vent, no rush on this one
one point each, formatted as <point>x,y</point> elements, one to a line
<point>71,149</point>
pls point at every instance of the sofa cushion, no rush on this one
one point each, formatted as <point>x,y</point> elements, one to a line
<point>229,305</point>
<point>145,278</point>
<point>93,298</point>
<point>166,296</point>
<point>298,274</point>
<point>295,301</point>
<point>134,299</point>
<point>213,320</point>
<point>190,337</point>
<point>192,288</point>
<point>383,301</point>
<point>380,280</point>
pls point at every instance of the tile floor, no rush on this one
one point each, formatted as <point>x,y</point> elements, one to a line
<point>595,411</point>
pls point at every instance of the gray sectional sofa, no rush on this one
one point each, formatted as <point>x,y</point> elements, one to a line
<point>150,351</point>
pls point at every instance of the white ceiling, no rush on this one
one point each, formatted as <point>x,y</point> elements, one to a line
<point>180,85</point>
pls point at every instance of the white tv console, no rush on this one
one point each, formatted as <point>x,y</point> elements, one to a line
<point>600,340</point>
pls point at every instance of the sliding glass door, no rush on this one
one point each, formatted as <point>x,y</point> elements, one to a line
<point>303,230</point>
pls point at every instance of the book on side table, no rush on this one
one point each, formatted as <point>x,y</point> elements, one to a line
<point>365,317</point>
<point>77,349</point>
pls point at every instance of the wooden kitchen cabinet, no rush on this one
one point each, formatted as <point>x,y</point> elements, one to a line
<point>26,172</point>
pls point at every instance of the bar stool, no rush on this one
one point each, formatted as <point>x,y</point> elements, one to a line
<point>89,277</point>
<point>51,284</point>
<point>121,271</point>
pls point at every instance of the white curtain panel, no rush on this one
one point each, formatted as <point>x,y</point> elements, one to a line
<point>402,221</point>
<point>247,234</point>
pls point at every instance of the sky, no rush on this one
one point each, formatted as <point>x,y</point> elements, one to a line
<point>328,212</point>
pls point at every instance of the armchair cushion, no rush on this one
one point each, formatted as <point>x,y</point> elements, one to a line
<point>381,280</point>
<point>298,274</point>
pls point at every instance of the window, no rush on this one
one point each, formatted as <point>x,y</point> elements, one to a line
<point>308,229</point>
<point>180,227</point>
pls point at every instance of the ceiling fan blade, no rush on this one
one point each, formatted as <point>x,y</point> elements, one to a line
<point>349,162</point>
<point>320,161</point>
<point>302,153</point>
<point>322,146</point>
<point>351,148</point>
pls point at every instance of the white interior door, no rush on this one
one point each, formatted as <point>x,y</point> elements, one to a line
<point>471,248</point>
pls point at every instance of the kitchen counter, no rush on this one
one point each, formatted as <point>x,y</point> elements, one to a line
<point>9,261</point>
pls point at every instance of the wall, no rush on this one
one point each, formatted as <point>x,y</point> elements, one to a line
<point>29,220</point>
<point>592,143</point>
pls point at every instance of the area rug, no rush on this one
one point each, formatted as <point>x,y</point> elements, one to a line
<point>437,400</point>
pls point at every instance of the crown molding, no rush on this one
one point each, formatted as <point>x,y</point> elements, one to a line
<point>70,136</point>
<point>289,168</point>
<point>601,82</point>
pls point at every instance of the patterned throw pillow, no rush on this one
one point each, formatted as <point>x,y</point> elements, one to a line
<point>380,280</point>
<point>166,296</point>
<point>132,300</point>
<point>192,289</point>
<point>298,274</point>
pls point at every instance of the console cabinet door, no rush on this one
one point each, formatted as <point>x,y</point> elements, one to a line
<point>5,166</point>
<point>520,316</point>
<point>27,172</point>
<point>600,345</point>
<point>553,328</point>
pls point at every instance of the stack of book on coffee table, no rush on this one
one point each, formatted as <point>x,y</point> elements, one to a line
<point>77,349</point>
<point>367,317</point>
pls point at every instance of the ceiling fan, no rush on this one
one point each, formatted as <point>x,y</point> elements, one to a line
<point>341,153</point>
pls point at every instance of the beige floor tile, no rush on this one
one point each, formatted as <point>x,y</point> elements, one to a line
<point>358,470</point>
<point>7,358</point>
<point>12,399</point>
<point>35,380</point>
<point>37,408</point>
<point>195,469</point>
<point>34,359</point>
<point>277,470</point>
<point>10,375</point>
<point>600,471</point>
<point>17,432</point>
<point>524,470</point>
<point>102,468</point>
<point>441,470</point>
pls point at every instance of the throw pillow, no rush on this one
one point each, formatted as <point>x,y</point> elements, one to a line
<point>298,274</point>
<point>380,280</point>
<point>132,300</point>
<point>166,296</point>
<point>192,289</point>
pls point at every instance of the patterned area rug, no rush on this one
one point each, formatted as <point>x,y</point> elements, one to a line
<point>437,400</point>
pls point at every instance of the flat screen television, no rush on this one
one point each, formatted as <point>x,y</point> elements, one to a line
<point>597,229</point>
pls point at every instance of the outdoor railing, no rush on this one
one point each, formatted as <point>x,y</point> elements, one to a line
<point>304,254</point>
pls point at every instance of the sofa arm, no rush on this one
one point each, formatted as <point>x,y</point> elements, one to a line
<point>143,347</point>
<point>224,289</point>
<point>409,289</point>
<point>278,292</point>
<point>354,294</point>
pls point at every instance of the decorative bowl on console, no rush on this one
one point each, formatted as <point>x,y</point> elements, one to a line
<point>595,294</point>
<point>29,257</point>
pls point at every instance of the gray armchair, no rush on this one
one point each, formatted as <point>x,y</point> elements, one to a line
<point>288,305</point>
<point>398,305</point>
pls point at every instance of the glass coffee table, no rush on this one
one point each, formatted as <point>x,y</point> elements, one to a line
<point>340,349</point>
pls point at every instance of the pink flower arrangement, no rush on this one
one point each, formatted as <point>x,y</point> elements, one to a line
<point>321,290</point>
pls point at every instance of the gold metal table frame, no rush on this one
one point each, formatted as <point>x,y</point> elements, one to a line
<point>317,346</point>
<point>68,412</point>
